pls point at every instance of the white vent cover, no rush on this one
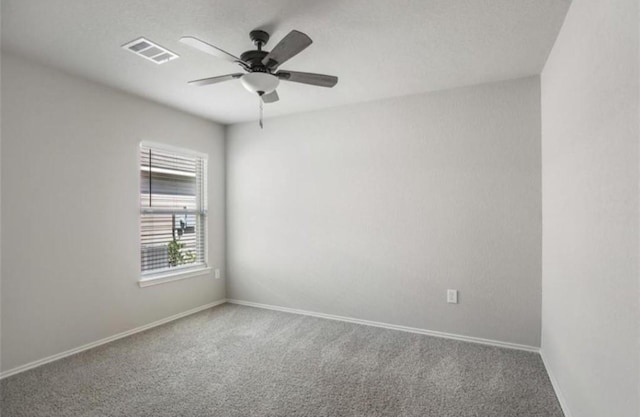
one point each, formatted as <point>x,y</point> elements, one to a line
<point>150,50</point>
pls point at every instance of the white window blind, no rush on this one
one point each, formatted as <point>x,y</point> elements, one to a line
<point>173,210</point>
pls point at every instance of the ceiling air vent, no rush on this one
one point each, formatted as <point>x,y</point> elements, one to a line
<point>149,50</point>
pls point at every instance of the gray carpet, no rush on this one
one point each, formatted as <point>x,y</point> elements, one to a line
<point>241,361</point>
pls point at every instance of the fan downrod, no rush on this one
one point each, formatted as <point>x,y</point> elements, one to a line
<point>259,38</point>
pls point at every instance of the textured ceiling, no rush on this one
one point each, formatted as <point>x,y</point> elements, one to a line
<point>378,48</point>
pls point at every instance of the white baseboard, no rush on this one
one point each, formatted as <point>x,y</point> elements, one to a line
<point>391,326</point>
<point>88,346</point>
<point>556,387</point>
<point>463,338</point>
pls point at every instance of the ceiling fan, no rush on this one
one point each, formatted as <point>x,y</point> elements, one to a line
<point>262,67</point>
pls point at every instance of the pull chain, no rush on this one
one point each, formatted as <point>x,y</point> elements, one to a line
<point>261,111</point>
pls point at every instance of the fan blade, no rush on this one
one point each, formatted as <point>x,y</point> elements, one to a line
<point>308,78</point>
<point>209,49</point>
<point>272,97</point>
<point>290,46</point>
<point>214,80</point>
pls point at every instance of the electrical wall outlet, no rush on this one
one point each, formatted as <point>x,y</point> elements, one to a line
<point>216,273</point>
<point>452,296</point>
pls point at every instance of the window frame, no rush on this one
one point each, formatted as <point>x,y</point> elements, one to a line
<point>160,276</point>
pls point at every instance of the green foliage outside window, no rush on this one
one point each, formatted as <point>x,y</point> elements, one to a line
<point>177,256</point>
<point>175,248</point>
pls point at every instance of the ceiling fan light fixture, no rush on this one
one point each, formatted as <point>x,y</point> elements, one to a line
<point>260,82</point>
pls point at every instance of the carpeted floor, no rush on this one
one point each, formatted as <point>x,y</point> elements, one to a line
<point>241,361</point>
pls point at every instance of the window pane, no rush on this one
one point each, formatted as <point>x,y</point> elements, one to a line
<point>169,241</point>
<point>168,180</point>
<point>170,183</point>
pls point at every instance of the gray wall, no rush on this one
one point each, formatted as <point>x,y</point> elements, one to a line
<point>70,208</point>
<point>372,211</point>
<point>0,212</point>
<point>590,212</point>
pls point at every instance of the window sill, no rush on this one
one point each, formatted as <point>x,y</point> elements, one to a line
<point>173,276</point>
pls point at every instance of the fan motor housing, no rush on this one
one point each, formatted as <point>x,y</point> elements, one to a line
<point>254,59</point>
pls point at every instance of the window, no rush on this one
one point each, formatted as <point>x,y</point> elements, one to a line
<point>173,212</point>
